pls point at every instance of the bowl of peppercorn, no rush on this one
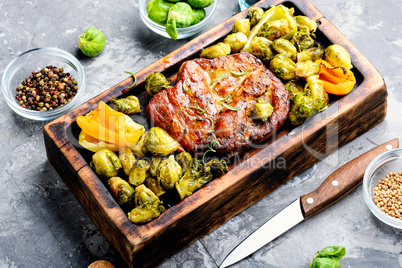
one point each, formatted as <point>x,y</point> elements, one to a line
<point>382,187</point>
<point>43,83</point>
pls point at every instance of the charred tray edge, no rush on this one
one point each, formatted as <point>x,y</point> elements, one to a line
<point>246,183</point>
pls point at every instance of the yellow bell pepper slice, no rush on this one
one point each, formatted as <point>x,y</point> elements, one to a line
<point>337,80</point>
<point>94,145</point>
<point>108,125</point>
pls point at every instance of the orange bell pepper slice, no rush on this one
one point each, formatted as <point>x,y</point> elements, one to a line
<point>108,125</point>
<point>337,80</point>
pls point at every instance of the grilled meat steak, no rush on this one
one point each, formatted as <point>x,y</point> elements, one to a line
<point>192,111</point>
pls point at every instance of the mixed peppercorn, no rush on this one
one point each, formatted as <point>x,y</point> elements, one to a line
<point>388,194</point>
<point>46,89</point>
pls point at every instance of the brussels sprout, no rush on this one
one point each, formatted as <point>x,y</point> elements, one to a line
<point>218,168</point>
<point>139,148</point>
<point>148,206</point>
<point>194,178</point>
<point>307,68</point>
<point>303,107</point>
<point>106,163</point>
<point>283,67</point>
<point>261,48</point>
<point>128,105</point>
<point>304,22</point>
<point>121,189</point>
<point>160,143</point>
<point>315,88</point>
<point>242,26</point>
<point>320,262</point>
<point>236,41</point>
<point>337,56</point>
<point>184,160</point>
<point>169,172</point>
<point>255,15</point>
<point>294,88</point>
<point>274,29</point>
<point>262,110</point>
<point>91,42</point>
<point>198,15</point>
<point>200,3</point>
<point>155,161</point>
<point>127,159</point>
<point>284,46</point>
<point>158,10</point>
<point>154,186</point>
<point>139,172</point>
<point>215,51</point>
<point>302,40</point>
<point>328,257</point>
<point>180,15</point>
<point>174,1</point>
<point>156,82</point>
<point>313,54</point>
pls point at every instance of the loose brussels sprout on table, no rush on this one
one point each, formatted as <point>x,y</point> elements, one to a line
<point>91,42</point>
<point>148,206</point>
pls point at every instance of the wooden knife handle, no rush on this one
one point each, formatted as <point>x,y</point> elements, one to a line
<point>342,181</point>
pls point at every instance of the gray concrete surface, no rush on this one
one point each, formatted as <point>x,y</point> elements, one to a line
<point>43,225</point>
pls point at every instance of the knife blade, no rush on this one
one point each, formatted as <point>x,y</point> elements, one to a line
<point>336,186</point>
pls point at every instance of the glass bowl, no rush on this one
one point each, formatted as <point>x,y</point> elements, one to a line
<point>34,60</point>
<point>182,32</point>
<point>382,165</point>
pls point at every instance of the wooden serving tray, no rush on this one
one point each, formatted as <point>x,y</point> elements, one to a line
<point>253,176</point>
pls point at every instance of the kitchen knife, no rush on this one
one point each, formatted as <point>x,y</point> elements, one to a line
<point>340,183</point>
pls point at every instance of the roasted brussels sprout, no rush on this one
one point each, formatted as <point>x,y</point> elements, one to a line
<point>274,29</point>
<point>200,3</point>
<point>127,159</point>
<point>242,26</point>
<point>255,15</point>
<point>302,40</point>
<point>337,56</point>
<point>158,10</point>
<point>160,143</point>
<point>180,15</point>
<point>91,42</point>
<point>139,148</point>
<point>307,68</point>
<point>236,41</point>
<point>184,160</point>
<point>303,107</point>
<point>283,67</point>
<point>313,54</point>
<point>215,51</point>
<point>169,172</point>
<point>156,82</point>
<point>218,168</point>
<point>194,178</point>
<point>139,172</point>
<point>262,110</point>
<point>261,48</point>
<point>155,161</point>
<point>121,189</point>
<point>294,87</point>
<point>283,46</point>
<point>304,22</point>
<point>105,163</point>
<point>148,206</point>
<point>315,88</point>
<point>153,184</point>
<point>128,105</point>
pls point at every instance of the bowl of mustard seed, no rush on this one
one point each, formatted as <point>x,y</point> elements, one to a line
<point>382,187</point>
<point>43,83</point>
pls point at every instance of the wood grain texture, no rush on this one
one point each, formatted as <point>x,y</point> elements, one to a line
<point>346,179</point>
<point>254,175</point>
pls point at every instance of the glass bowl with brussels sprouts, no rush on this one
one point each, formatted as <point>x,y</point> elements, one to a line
<point>177,19</point>
<point>43,83</point>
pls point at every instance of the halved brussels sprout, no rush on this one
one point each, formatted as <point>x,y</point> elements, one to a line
<point>242,26</point>
<point>313,54</point>
<point>139,172</point>
<point>294,87</point>
<point>255,15</point>
<point>160,143</point>
<point>261,48</point>
<point>128,105</point>
<point>215,51</point>
<point>156,82</point>
<point>148,206</point>
<point>307,68</point>
<point>236,41</point>
<point>184,160</point>
<point>274,29</point>
<point>315,88</point>
<point>153,184</point>
<point>337,56</point>
<point>106,163</point>
<point>121,189</point>
<point>304,22</point>
<point>283,46</point>
<point>139,148</point>
<point>283,67</point>
<point>127,159</point>
<point>169,172</point>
